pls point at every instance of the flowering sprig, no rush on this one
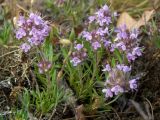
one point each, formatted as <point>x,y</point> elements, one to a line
<point>100,33</point>
<point>78,55</point>
<point>127,42</point>
<point>44,66</point>
<point>33,30</point>
<point>98,36</point>
<point>118,80</point>
<point>102,16</point>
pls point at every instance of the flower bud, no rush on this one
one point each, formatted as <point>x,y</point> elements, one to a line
<point>15,21</point>
<point>32,1</point>
<point>65,41</point>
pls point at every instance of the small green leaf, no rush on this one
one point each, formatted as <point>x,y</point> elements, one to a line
<point>72,35</point>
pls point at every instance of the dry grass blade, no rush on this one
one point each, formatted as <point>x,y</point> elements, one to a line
<point>151,115</point>
<point>139,109</point>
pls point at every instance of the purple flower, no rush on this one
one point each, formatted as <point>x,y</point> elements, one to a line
<point>105,8</point>
<point>100,14</point>
<point>121,46</point>
<point>104,21</point>
<point>29,22</point>
<point>91,19</point>
<point>121,32</point>
<point>20,33</point>
<point>87,35</point>
<point>78,55</point>
<point>130,57</point>
<point>36,19</point>
<point>34,29</point>
<point>75,61</point>
<point>124,68</point>
<point>21,21</point>
<point>137,51</point>
<point>117,89</point>
<point>106,31</point>
<point>125,42</point>
<point>103,16</point>
<point>107,68</point>
<point>96,45</point>
<point>113,46</point>
<point>108,20</point>
<point>106,43</point>
<point>119,66</point>
<point>78,47</point>
<point>84,54</point>
<point>134,34</point>
<point>133,84</point>
<point>25,47</point>
<point>44,66</point>
<point>100,32</point>
<point>108,93</point>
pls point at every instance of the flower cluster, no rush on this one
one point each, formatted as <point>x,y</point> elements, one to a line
<point>96,37</point>
<point>118,80</point>
<point>78,55</point>
<point>127,42</point>
<point>33,30</point>
<point>102,34</point>
<point>102,18</point>
<point>44,66</point>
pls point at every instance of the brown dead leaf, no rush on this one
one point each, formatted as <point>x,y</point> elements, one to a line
<point>126,19</point>
<point>155,3</point>
<point>79,113</point>
<point>147,15</point>
<point>131,23</point>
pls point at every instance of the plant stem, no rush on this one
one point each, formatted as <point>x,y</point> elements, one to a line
<point>64,63</point>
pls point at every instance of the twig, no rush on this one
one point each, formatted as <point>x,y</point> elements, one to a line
<point>116,113</point>
<point>2,102</point>
<point>9,53</point>
<point>64,63</point>
<point>139,110</point>
<point>141,4</point>
<point>20,7</point>
<point>40,116</point>
<point>152,116</point>
<point>5,113</point>
<point>54,110</point>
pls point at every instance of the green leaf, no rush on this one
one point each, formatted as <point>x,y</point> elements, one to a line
<point>118,55</point>
<point>113,62</point>
<point>72,35</point>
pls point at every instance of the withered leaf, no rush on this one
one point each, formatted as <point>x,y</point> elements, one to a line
<point>79,113</point>
<point>131,23</point>
<point>126,19</point>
